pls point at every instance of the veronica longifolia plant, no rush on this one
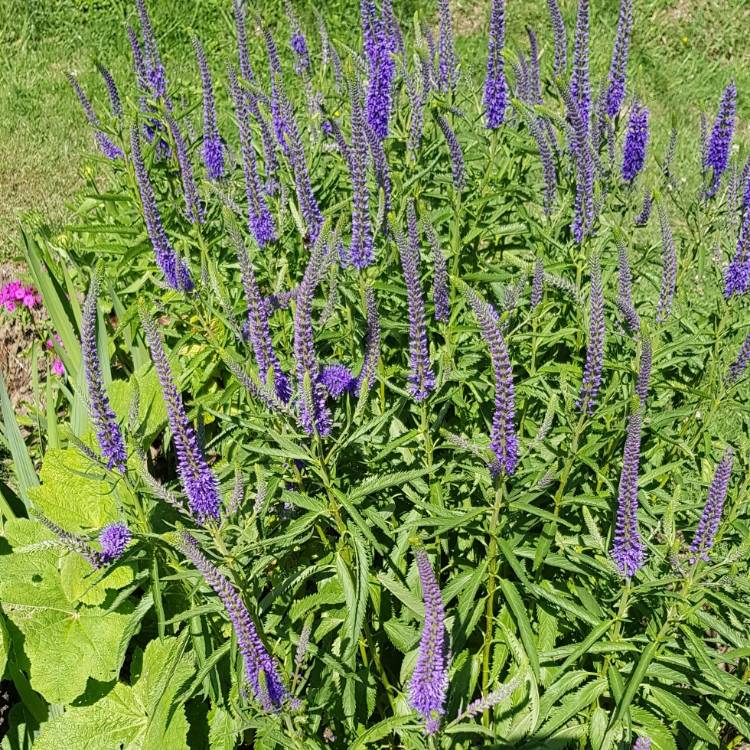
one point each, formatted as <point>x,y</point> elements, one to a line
<point>382,345</point>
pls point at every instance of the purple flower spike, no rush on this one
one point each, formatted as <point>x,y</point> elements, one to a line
<point>366,375</point>
<point>419,100</point>
<point>642,743</point>
<point>644,372</point>
<point>618,68</point>
<point>361,248</point>
<point>580,84</point>
<point>257,328</point>
<point>636,142</point>
<point>439,276</point>
<point>535,85</point>
<point>429,681</point>
<point>380,166</point>
<point>737,368</point>
<point>259,219</point>
<point>261,670</point>
<point>669,268</point>
<point>458,169</point>
<point>193,206</point>
<point>561,39</point>
<point>642,218</point>
<point>338,379</point>
<point>592,372</point>
<point>503,438</point>
<point>315,416</point>
<point>175,271</point>
<point>737,273</point>
<point>421,377</point>
<point>628,551</point>
<point>382,70</point>
<point>198,481</point>
<point>246,69</point>
<point>102,417</point>
<point>298,42</point>
<point>537,128</point>
<point>711,516</point>
<point>447,65</point>
<point>537,284</point>
<point>625,289</point>
<point>115,102</point>
<point>495,86</point>
<point>109,149</point>
<point>114,539</point>
<point>156,76</point>
<point>213,146</point>
<point>720,140</point>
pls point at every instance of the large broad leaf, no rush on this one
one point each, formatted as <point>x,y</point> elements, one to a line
<point>4,645</point>
<point>73,492</point>
<point>141,716</point>
<point>65,641</point>
<point>152,412</point>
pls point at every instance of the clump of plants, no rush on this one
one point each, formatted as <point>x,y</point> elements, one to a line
<point>400,409</point>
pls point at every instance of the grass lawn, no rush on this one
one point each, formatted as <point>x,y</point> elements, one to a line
<point>684,52</point>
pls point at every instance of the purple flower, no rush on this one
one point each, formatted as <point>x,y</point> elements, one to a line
<point>535,86</point>
<point>429,681</point>
<point>737,273</point>
<point>175,271</point>
<point>720,140</point>
<point>360,249</point>
<point>737,368</point>
<point>495,86</point>
<point>618,66</point>
<point>102,417</point>
<point>561,39</point>
<point>257,328</point>
<point>642,743</point>
<point>421,377</point>
<point>537,128</point>
<point>642,218</point>
<point>114,95</point>
<point>213,147</point>
<point>644,372</point>
<point>628,551</point>
<point>261,670</point>
<point>711,516</point>
<point>447,66</point>
<point>114,539</point>
<point>156,76</point>
<point>193,207</point>
<point>580,84</point>
<point>246,69</point>
<point>106,146</point>
<point>458,169</point>
<point>583,215</point>
<point>503,438</point>
<point>338,379</point>
<point>669,268</point>
<point>537,284</point>
<point>625,289</point>
<point>198,481</point>
<point>315,416</point>
<point>439,275</point>
<point>382,72</point>
<point>259,219</point>
<point>636,142</point>
<point>297,42</point>
<point>592,371</point>
<point>418,103</point>
<point>366,375</point>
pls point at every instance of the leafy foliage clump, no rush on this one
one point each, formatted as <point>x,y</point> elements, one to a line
<point>463,347</point>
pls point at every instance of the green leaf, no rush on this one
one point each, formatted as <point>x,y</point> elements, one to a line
<point>22,464</point>
<point>143,716</point>
<point>152,411</point>
<point>65,642</point>
<point>677,710</point>
<point>73,492</point>
<point>382,729</point>
<point>224,730</point>
<point>522,621</point>
<point>4,645</point>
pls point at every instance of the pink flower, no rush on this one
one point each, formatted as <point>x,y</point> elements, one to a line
<point>14,292</point>
<point>58,368</point>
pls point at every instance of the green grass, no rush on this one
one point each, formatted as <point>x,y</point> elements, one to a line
<point>684,52</point>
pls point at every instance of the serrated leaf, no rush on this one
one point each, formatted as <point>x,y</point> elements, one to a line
<point>677,710</point>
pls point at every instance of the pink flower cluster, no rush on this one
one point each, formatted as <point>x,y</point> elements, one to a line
<point>14,294</point>
<point>57,366</point>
